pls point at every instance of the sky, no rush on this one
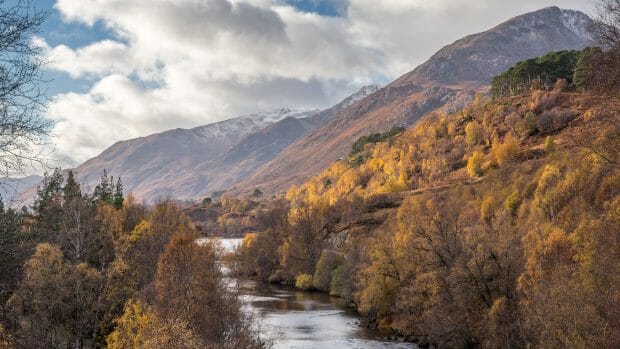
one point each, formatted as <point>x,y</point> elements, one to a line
<point>121,69</point>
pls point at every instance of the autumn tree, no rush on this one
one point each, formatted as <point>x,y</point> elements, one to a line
<point>474,164</point>
<point>141,327</point>
<point>189,286</point>
<point>57,303</point>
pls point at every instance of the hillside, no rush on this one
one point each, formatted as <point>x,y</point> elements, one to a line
<point>447,81</point>
<point>189,164</point>
<point>487,227</point>
<point>192,163</point>
<point>9,187</point>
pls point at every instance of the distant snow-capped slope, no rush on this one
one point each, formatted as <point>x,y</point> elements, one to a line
<point>156,166</point>
<point>192,163</point>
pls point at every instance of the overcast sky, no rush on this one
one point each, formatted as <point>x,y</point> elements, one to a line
<point>127,68</point>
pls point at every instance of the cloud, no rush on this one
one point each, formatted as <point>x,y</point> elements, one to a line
<point>186,63</point>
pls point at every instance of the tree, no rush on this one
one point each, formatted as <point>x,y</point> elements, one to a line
<point>141,327</point>
<point>323,274</point>
<point>22,127</point>
<point>48,207</point>
<point>71,190</point>
<point>472,133</point>
<point>118,199</point>
<point>189,287</point>
<point>15,248</point>
<point>474,164</point>
<point>257,194</point>
<point>56,303</point>
<point>549,145</point>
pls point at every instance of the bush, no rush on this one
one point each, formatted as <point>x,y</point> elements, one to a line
<point>303,282</point>
<point>335,284</point>
<point>527,125</point>
<point>554,119</point>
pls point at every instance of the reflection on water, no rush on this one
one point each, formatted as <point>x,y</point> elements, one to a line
<point>295,319</point>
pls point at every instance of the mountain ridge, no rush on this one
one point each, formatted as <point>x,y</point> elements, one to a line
<point>471,61</point>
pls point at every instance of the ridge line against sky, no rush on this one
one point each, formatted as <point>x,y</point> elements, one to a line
<point>127,68</point>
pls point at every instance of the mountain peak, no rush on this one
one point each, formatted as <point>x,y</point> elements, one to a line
<point>480,57</point>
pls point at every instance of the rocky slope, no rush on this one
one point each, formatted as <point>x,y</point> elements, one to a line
<point>446,81</point>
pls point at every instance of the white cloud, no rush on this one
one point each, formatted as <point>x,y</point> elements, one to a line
<point>185,63</point>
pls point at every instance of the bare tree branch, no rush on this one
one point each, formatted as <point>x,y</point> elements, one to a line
<point>23,129</point>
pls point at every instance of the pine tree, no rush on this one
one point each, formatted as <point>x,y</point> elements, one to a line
<point>118,194</point>
<point>103,191</point>
<point>48,206</point>
<point>71,189</point>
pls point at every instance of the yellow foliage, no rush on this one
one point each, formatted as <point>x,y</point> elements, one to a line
<point>506,152</point>
<point>474,164</point>
<point>472,133</point>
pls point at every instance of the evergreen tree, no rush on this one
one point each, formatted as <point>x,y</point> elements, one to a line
<point>71,190</point>
<point>104,191</point>
<point>118,194</point>
<point>48,206</point>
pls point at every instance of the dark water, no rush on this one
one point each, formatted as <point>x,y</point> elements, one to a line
<point>294,319</point>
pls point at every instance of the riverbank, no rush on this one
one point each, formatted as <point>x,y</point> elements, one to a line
<point>290,318</point>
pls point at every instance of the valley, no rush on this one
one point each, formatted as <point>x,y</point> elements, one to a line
<point>471,202</point>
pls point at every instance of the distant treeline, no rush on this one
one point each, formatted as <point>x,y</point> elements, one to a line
<point>577,68</point>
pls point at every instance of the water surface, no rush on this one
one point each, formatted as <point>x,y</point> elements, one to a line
<point>294,319</point>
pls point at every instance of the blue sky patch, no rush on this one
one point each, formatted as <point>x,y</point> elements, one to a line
<point>332,8</point>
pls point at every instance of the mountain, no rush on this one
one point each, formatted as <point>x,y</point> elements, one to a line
<point>446,82</point>
<point>11,187</point>
<point>193,163</point>
<point>180,163</point>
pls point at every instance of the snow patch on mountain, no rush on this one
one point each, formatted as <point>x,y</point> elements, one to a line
<point>363,92</point>
<point>250,123</point>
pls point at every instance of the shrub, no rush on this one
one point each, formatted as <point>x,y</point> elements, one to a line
<point>303,282</point>
<point>487,208</point>
<point>554,119</point>
<point>527,125</point>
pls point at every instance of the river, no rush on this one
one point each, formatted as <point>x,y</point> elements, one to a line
<point>294,319</point>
